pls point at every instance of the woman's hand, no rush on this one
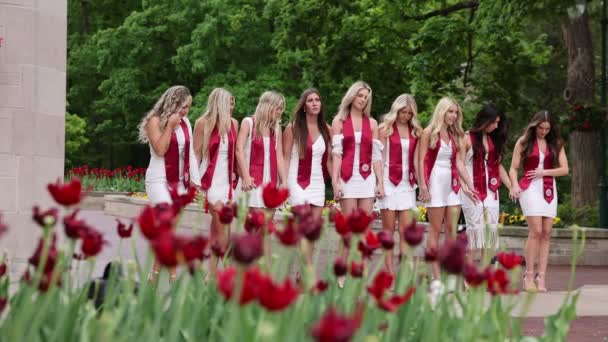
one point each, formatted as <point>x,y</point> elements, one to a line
<point>380,190</point>
<point>338,193</point>
<point>472,194</point>
<point>248,183</point>
<point>425,195</point>
<point>533,174</point>
<point>515,192</point>
<point>173,121</point>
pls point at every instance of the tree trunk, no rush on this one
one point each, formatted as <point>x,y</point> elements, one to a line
<point>580,89</point>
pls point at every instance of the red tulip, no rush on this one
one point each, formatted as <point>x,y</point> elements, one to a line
<point>92,242</point>
<point>247,248</point>
<point>430,254</point>
<point>310,228</point>
<point>255,220</point>
<point>356,269</point>
<point>2,269</point>
<point>218,250</point>
<point>340,267</point>
<point>498,282</point>
<point>46,280</point>
<point>273,196</point>
<point>180,201</point>
<point>301,211</point>
<point>371,239</point>
<point>386,240</point>
<point>341,223</point>
<point>3,227</point>
<point>472,276</point>
<point>167,248</point>
<point>155,220</point>
<point>393,303</point>
<point>452,256</point>
<point>336,327</point>
<point>289,236</point>
<point>193,248</point>
<point>66,194</point>
<point>274,297</point>
<point>227,213</point>
<point>225,283</point>
<point>320,286</point>
<point>382,282</point>
<point>3,300</point>
<point>359,220</point>
<point>122,229</point>
<point>509,260</point>
<point>74,227</point>
<point>51,258</point>
<point>413,234</point>
<point>46,218</point>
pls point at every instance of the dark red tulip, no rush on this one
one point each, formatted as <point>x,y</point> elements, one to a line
<point>310,228</point>
<point>218,250</point>
<point>273,196</point>
<point>3,302</point>
<point>3,269</point>
<point>472,276</point>
<point>73,226</point>
<point>247,248</point>
<point>359,220</point>
<point>386,240</point>
<point>252,278</point>
<point>3,227</point>
<point>180,201</point>
<point>393,303</point>
<point>46,218</point>
<point>340,267</point>
<point>301,211</point>
<point>66,194</point>
<point>341,223</point>
<point>336,327</point>
<point>255,220</point>
<point>413,234</point>
<point>227,213</point>
<point>498,282</point>
<point>276,297</point>
<point>452,256</point>
<point>382,282</point>
<point>92,242</point>
<point>193,248</point>
<point>430,254</point>
<point>320,286</point>
<point>356,269</point>
<point>289,236</point>
<point>509,260</point>
<point>346,240</point>
<point>168,249</point>
<point>46,280</point>
<point>371,239</point>
<point>155,220</point>
<point>52,255</point>
<point>122,229</point>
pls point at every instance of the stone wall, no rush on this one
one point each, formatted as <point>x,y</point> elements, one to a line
<point>32,114</point>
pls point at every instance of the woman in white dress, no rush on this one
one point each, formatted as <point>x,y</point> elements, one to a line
<point>399,133</point>
<point>541,152</point>
<point>441,153</point>
<point>306,147</point>
<point>259,149</point>
<point>484,146</point>
<point>215,134</point>
<point>355,150</point>
<point>172,162</point>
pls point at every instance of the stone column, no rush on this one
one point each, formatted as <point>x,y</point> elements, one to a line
<point>32,116</point>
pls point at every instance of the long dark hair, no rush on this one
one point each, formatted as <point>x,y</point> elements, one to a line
<point>553,138</point>
<point>486,116</point>
<point>300,129</point>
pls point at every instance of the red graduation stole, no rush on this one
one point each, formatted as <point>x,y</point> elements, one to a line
<point>348,149</point>
<point>532,163</point>
<point>256,156</point>
<point>429,162</point>
<point>214,144</point>
<point>395,164</point>
<point>172,159</point>
<point>305,164</point>
<point>479,169</point>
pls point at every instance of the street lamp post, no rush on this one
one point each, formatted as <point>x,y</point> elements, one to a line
<point>603,205</point>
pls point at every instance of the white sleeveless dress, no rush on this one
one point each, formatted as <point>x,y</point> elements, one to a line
<point>357,186</point>
<point>220,186</point>
<point>156,179</point>
<point>440,180</point>
<point>315,191</point>
<point>474,213</point>
<point>532,200</point>
<point>401,196</point>
<point>254,196</point>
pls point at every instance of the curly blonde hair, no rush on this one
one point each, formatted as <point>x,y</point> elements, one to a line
<point>349,97</point>
<point>438,121</point>
<point>170,102</point>
<point>217,114</point>
<point>389,118</point>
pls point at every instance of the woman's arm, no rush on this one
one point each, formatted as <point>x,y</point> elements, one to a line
<point>562,170</point>
<point>515,161</point>
<point>378,162</point>
<point>336,128</point>
<point>287,146</point>
<point>504,176</point>
<point>281,161</point>
<point>198,139</point>
<point>159,140</point>
<point>329,163</point>
<point>468,188</point>
<point>423,147</point>
<point>241,140</point>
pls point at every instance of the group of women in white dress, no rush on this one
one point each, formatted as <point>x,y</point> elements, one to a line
<point>367,162</point>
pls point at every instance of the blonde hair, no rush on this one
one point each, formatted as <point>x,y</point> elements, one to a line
<point>389,118</point>
<point>349,97</point>
<point>438,121</point>
<point>217,115</point>
<point>169,102</point>
<point>268,103</point>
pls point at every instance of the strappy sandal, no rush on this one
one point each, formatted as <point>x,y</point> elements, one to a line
<point>540,275</point>
<point>526,286</point>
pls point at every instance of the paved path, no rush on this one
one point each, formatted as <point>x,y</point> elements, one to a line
<point>592,308</point>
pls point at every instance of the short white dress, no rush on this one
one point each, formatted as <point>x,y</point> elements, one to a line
<point>156,179</point>
<point>220,185</point>
<point>476,215</point>
<point>403,195</point>
<point>315,191</point>
<point>532,200</point>
<point>254,196</point>
<point>440,180</point>
<point>357,186</point>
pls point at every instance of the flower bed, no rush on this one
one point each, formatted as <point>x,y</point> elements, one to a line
<point>254,297</point>
<point>122,179</point>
